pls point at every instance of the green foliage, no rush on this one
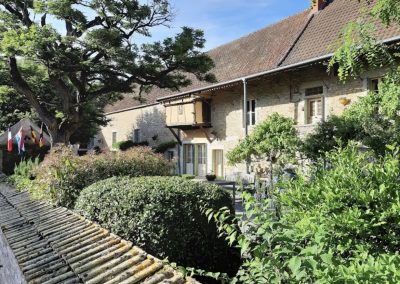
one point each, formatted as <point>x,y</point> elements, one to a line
<point>11,160</point>
<point>188,176</point>
<point>275,137</point>
<point>163,147</point>
<point>62,175</point>
<point>388,11</point>
<point>358,50</point>
<point>163,215</point>
<point>329,134</point>
<point>373,120</point>
<point>25,168</point>
<point>340,226</point>
<point>89,64</point>
<point>125,145</point>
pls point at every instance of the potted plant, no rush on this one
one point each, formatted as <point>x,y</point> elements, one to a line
<point>211,176</point>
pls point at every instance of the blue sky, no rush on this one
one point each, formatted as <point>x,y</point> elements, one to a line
<point>226,20</point>
<point>221,20</point>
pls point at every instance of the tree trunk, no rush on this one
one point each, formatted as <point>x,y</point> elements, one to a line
<point>58,136</point>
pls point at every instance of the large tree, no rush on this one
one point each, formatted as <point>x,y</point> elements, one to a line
<point>86,55</point>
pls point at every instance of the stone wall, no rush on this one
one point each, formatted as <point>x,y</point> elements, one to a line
<point>150,120</point>
<point>284,94</point>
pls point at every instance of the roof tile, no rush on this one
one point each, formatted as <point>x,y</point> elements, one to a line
<point>54,245</point>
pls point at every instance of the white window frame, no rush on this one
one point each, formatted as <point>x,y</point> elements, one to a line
<point>308,99</point>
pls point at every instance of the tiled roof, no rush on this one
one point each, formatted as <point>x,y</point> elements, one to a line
<point>326,26</point>
<point>256,52</point>
<point>290,41</point>
<point>54,245</point>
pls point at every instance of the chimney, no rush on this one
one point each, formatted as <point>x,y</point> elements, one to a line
<point>318,5</point>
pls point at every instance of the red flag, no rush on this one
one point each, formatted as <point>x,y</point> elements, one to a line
<point>9,141</point>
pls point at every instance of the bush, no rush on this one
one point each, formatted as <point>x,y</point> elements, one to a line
<point>328,134</point>
<point>162,147</point>
<point>341,226</point>
<point>62,175</point>
<point>164,216</point>
<point>125,145</point>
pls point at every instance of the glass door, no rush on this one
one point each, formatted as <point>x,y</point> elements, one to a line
<point>195,159</point>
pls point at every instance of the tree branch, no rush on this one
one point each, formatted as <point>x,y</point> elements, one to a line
<point>21,86</point>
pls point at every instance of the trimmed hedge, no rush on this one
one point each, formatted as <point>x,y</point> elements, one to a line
<point>62,175</point>
<point>163,215</point>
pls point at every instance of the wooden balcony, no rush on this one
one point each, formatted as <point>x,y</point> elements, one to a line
<point>188,113</point>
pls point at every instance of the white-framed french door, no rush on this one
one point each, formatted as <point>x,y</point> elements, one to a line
<point>195,159</point>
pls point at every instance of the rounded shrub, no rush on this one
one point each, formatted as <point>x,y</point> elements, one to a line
<point>164,216</point>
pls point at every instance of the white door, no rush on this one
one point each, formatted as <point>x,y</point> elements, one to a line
<point>201,151</point>
<point>314,110</point>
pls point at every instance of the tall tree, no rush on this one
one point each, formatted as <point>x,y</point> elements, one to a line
<point>93,58</point>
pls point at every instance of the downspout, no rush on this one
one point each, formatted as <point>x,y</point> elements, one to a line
<point>179,154</point>
<point>246,129</point>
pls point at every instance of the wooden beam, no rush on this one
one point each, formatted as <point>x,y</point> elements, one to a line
<point>175,135</point>
<point>207,135</point>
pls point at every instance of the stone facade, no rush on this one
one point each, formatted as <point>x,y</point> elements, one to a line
<point>147,120</point>
<point>284,93</point>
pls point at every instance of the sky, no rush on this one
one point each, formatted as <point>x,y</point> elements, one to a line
<point>225,20</point>
<point>221,20</point>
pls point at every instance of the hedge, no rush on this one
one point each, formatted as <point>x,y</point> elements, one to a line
<point>62,175</point>
<point>163,215</point>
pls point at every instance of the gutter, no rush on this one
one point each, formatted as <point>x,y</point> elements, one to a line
<point>268,72</point>
<point>238,80</point>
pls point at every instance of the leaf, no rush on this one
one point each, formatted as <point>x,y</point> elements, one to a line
<point>327,258</point>
<point>295,264</point>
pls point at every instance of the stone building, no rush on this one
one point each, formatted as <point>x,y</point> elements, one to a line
<point>281,68</point>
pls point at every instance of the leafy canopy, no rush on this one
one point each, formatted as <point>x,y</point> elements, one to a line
<point>93,58</point>
<point>276,137</point>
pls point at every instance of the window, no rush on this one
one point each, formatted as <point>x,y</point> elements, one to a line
<point>314,91</point>
<point>136,135</point>
<point>373,84</point>
<point>251,112</point>
<point>114,138</point>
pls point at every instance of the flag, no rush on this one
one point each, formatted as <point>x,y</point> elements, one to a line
<point>20,141</point>
<point>33,135</point>
<point>41,139</point>
<point>9,141</point>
